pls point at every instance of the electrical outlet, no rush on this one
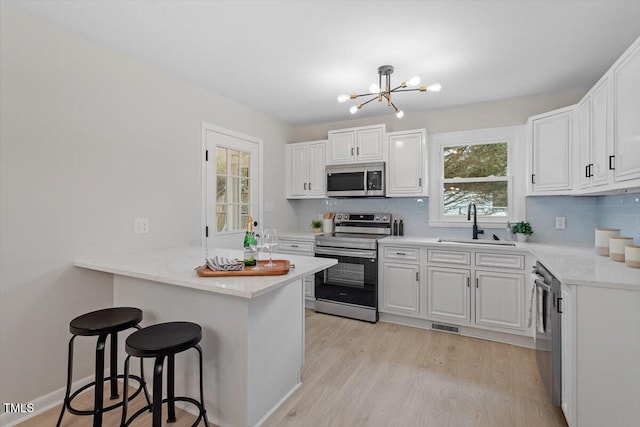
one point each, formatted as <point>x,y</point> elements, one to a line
<point>560,223</point>
<point>140,225</point>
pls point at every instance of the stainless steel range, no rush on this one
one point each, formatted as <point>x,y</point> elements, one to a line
<point>350,288</point>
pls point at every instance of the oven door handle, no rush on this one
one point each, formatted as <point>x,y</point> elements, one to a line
<point>543,285</point>
<point>351,253</point>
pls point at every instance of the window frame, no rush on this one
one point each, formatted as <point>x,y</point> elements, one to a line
<point>514,136</point>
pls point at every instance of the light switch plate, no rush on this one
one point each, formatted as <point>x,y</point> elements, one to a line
<point>560,223</point>
<point>140,225</point>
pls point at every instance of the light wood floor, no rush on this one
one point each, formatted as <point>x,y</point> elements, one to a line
<point>362,374</point>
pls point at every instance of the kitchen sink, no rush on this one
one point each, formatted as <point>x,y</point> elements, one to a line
<point>477,242</point>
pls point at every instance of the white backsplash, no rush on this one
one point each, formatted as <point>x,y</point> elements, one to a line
<point>582,215</point>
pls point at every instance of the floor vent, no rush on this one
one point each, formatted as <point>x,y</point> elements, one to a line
<point>445,328</point>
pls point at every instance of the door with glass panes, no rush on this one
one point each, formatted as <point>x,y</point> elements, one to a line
<point>232,190</point>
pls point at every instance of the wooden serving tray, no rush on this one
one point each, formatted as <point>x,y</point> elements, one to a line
<point>281,267</point>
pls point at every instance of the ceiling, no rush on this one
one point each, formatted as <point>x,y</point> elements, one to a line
<point>290,59</point>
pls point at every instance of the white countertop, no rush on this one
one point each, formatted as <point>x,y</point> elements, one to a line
<point>298,235</point>
<point>407,240</point>
<point>580,265</point>
<point>176,266</point>
<point>571,264</point>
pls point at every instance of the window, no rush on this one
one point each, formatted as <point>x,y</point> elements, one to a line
<point>475,174</point>
<point>476,167</point>
<point>232,185</point>
<point>233,198</point>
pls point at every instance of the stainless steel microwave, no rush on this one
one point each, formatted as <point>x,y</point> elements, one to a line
<point>356,180</point>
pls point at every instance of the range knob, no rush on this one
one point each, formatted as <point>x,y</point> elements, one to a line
<point>346,216</point>
<point>339,216</point>
<point>377,217</point>
<point>384,217</point>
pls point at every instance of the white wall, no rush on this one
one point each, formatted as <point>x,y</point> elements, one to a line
<point>490,114</point>
<point>91,139</point>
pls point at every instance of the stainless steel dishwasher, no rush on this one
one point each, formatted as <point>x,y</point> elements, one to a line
<point>548,332</point>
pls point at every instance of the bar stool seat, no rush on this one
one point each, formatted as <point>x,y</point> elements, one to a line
<point>101,323</point>
<point>161,341</point>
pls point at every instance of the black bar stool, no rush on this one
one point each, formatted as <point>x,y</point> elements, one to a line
<point>160,341</point>
<point>102,323</point>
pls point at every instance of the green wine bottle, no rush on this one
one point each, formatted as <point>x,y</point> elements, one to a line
<point>249,240</point>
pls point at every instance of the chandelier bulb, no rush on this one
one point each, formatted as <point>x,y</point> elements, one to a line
<point>343,98</point>
<point>413,81</point>
<point>399,114</point>
<point>354,109</point>
<point>374,88</point>
<point>434,87</point>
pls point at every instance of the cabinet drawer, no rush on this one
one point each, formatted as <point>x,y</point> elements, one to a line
<point>484,259</point>
<point>449,257</point>
<point>412,254</point>
<point>295,247</point>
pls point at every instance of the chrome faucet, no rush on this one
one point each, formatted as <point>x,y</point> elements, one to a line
<point>475,220</point>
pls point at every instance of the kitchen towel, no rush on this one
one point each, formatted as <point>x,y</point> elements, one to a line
<point>532,297</point>
<point>539,311</point>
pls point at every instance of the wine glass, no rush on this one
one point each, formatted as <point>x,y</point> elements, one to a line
<point>256,244</point>
<point>270,241</point>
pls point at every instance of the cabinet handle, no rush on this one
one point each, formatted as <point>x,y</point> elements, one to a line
<point>590,170</point>
<point>586,171</point>
<point>352,151</point>
<point>309,186</point>
<point>477,283</point>
<point>294,246</point>
<point>559,310</point>
<point>468,282</point>
<point>533,181</point>
<point>417,276</point>
<point>611,167</point>
<point>419,182</point>
<point>400,253</point>
<point>305,185</point>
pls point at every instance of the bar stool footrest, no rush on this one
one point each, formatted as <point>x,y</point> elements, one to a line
<point>147,408</point>
<point>75,411</point>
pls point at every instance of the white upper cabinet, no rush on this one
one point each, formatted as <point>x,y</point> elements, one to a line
<point>593,137</point>
<point>626,127</point>
<point>406,168</point>
<point>550,148</point>
<point>305,170</point>
<point>356,145</point>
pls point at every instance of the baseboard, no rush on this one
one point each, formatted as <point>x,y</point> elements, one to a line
<point>519,340</point>
<point>277,405</point>
<point>43,403</point>
<point>310,303</point>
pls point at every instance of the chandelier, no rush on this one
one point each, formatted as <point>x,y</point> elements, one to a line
<point>377,92</point>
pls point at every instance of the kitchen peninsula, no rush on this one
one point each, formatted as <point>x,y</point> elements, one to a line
<point>253,326</point>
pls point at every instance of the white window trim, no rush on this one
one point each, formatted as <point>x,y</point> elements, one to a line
<point>514,136</point>
<point>203,174</point>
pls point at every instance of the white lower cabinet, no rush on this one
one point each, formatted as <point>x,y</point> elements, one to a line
<point>301,247</point>
<point>499,299</point>
<point>472,288</point>
<point>448,294</point>
<point>568,363</point>
<point>400,293</point>
<point>600,364</point>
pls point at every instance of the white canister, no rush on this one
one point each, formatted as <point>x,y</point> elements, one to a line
<point>602,239</point>
<point>617,245</point>
<point>632,256</point>
<point>327,225</point>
